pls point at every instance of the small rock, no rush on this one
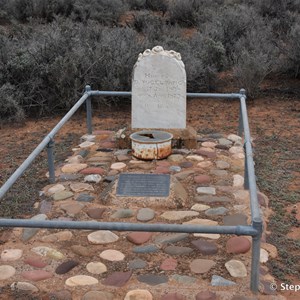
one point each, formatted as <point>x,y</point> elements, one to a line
<point>175,169</point>
<point>98,295</point>
<point>222,164</point>
<point>184,174</point>
<point>35,262</point>
<point>85,198</point>
<point>162,170</point>
<point>212,199</point>
<point>102,237</point>
<point>36,275</point>
<point>117,279</point>
<point>219,173</point>
<point>206,190</point>
<point>79,187</point>
<point>72,209</point>
<point>112,255</point>
<point>118,166</point>
<point>77,159</point>
<point>45,207</point>
<point>123,213</point>
<point>236,219</point>
<point>234,138</point>
<point>224,142</point>
<point>66,266</point>
<point>220,281</point>
<point>201,266</point>
<point>209,144</point>
<point>6,272</point>
<point>238,244</point>
<point>178,215</point>
<point>177,250</point>
<point>62,195</point>
<point>96,267</point>
<point>218,211</point>
<point>205,247</point>
<point>23,286</point>
<point>139,238</point>
<point>264,256</point>
<point>202,179</point>
<point>55,189</point>
<point>152,279</point>
<point>81,280</point>
<point>206,295</point>
<point>94,178</point>
<point>204,164</point>
<point>236,268</point>
<point>184,279</point>
<point>88,137</point>
<point>54,254</point>
<point>169,264</point>
<point>69,177</point>
<point>145,249</point>
<point>186,164</point>
<point>170,238</point>
<point>236,150</point>
<point>272,250</point>
<point>93,171</point>
<point>137,264</point>
<point>197,158</point>
<point>175,158</point>
<point>138,294</point>
<point>95,213</point>
<point>11,254</point>
<point>238,180</point>
<point>200,207</point>
<point>207,152</point>
<point>73,168</point>
<point>145,214</point>
<point>60,236</point>
<point>81,250</point>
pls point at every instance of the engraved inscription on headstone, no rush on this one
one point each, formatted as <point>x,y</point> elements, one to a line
<point>159,90</point>
<point>143,185</point>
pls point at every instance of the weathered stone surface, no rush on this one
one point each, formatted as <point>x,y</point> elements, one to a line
<point>56,188</point>
<point>236,268</point>
<point>54,254</point>
<point>184,174</point>
<point>238,244</point>
<point>6,272</point>
<point>62,195</point>
<point>152,279</point>
<point>45,207</point>
<point>73,168</point>
<point>264,256</point>
<point>206,295</point>
<point>196,158</point>
<point>86,144</point>
<point>60,236</point>
<point>272,250</point>
<point>177,250</point>
<point>238,180</point>
<point>72,209</point>
<point>93,178</point>
<point>117,279</point>
<point>69,177</point>
<point>112,255</point>
<point>212,199</point>
<point>123,213</point>
<point>11,254</point>
<point>218,173</point>
<point>175,169</point>
<point>81,280</point>
<point>137,264</point>
<point>23,286</point>
<point>186,164</point>
<point>35,262</point>
<point>176,158</point>
<point>28,233</point>
<point>145,214</point>
<point>234,138</point>
<point>220,281</point>
<point>223,165</point>
<point>218,211</point>
<point>66,266</point>
<point>206,152</point>
<point>102,237</point>
<point>204,164</point>
<point>205,247</point>
<point>180,192</point>
<point>79,187</point>
<point>236,219</point>
<point>36,275</point>
<point>184,279</point>
<point>178,215</point>
<point>145,249</point>
<point>98,295</point>
<point>170,238</point>
<point>84,198</point>
<point>118,166</point>
<point>82,251</point>
<point>96,267</point>
<point>236,150</point>
<point>95,213</point>
<point>169,264</point>
<point>201,266</point>
<point>139,238</point>
<point>202,179</point>
<point>93,170</point>
<point>206,190</point>
<point>200,207</point>
<point>138,294</point>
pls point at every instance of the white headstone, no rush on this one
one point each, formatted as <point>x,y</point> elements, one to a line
<point>159,90</point>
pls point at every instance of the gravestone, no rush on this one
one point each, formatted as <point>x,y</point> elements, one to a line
<point>159,90</point>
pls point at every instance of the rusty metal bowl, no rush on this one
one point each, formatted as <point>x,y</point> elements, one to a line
<point>151,144</point>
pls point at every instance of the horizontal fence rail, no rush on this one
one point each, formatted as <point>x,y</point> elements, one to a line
<point>254,230</point>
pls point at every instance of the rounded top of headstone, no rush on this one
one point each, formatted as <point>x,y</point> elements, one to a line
<point>159,50</point>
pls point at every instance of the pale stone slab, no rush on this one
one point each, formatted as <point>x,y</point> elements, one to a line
<point>159,90</point>
<point>178,215</point>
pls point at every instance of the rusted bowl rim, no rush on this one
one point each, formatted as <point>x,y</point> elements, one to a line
<point>158,136</point>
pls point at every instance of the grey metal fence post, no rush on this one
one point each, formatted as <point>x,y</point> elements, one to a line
<point>241,127</point>
<point>254,284</point>
<point>50,155</point>
<point>88,110</point>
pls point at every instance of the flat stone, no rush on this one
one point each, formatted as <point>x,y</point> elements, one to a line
<point>205,247</point>
<point>96,267</point>
<point>170,238</point>
<point>186,164</point>
<point>163,163</point>
<point>223,165</point>
<point>238,180</point>
<point>96,213</point>
<point>93,170</point>
<point>242,195</point>
<point>162,170</point>
<point>45,207</point>
<point>220,281</point>
<point>28,233</point>
<point>234,138</point>
<point>81,280</point>
<point>201,266</point>
<point>86,144</point>
<point>209,144</point>
<point>169,264</point>
<point>82,251</point>
<point>98,295</point>
<point>200,207</point>
<point>83,153</point>
<point>205,222</point>
<point>184,279</point>
<point>175,158</point>
<point>180,192</point>
<point>238,244</point>
<point>76,159</point>
<point>204,164</point>
<point>56,188</point>
<point>35,262</point>
<point>72,209</point>
<point>177,250</point>
<point>73,168</point>
<point>213,199</point>
<point>117,279</point>
<point>54,254</point>
<point>236,150</point>
<point>206,295</point>
<point>145,249</point>
<point>36,275</point>
<point>172,296</point>
<point>195,158</point>
<point>100,237</point>
<point>11,254</point>
<point>139,238</point>
<point>123,157</point>
<point>238,156</point>
<point>236,268</point>
<point>152,279</point>
<point>93,178</point>
<point>184,174</point>
<point>137,264</point>
<point>206,190</point>
<point>219,173</point>
<point>81,187</point>
<point>138,294</point>
<point>69,177</point>
<point>66,266</point>
<point>264,256</point>
<point>223,147</point>
<point>60,236</point>
<point>272,250</point>
<point>118,166</point>
<point>207,152</point>
<point>218,211</point>
<point>236,219</point>
<point>202,179</point>
<point>178,215</point>
<point>225,142</point>
<point>112,255</point>
<point>175,169</point>
<point>145,214</point>
<point>123,213</point>
<point>84,198</point>
<point>6,272</point>
<point>23,286</point>
<point>62,195</point>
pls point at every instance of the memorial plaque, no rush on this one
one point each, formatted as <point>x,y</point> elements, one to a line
<point>143,185</point>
